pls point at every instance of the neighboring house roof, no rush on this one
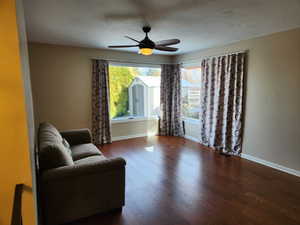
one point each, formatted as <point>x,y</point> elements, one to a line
<point>152,81</point>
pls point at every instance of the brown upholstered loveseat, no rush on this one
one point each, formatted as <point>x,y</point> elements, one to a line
<point>75,179</point>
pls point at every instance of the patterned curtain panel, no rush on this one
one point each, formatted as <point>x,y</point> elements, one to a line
<point>222,102</point>
<point>170,100</point>
<point>100,103</point>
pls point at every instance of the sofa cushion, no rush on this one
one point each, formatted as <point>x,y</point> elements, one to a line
<point>90,160</point>
<point>52,152</point>
<point>84,150</point>
<point>48,130</point>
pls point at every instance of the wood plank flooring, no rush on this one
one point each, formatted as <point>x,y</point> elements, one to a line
<point>174,181</point>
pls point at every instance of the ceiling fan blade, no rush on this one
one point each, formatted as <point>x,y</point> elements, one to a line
<point>122,46</point>
<point>167,42</point>
<point>132,39</point>
<point>165,48</point>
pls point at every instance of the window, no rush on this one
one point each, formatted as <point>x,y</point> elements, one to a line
<point>190,83</point>
<point>134,91</point>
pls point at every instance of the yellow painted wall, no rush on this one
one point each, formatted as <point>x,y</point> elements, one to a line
<point>14,151</point>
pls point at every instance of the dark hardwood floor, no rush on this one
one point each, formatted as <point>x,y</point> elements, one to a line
<point>174,181</point>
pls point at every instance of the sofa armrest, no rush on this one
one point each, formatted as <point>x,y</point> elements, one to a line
<point>75,171</point>
<point>78,136</point>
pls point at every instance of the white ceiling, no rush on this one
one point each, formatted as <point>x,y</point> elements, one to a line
<point>199,24</point>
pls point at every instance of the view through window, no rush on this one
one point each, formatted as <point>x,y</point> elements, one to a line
<point>190,83</point>
<point>134,91</point>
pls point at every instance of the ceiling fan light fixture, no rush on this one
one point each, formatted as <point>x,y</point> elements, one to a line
<point>146,51</point>
<point>146,46</point>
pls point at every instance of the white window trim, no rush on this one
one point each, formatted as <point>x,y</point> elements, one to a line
<point>133,64</point>
<point>129,119</point>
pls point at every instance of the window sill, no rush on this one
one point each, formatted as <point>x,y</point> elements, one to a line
<point>132,119</point>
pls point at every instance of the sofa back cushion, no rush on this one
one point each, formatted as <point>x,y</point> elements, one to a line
<point>52,152</point>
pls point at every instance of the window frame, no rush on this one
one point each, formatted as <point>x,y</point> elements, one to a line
<point>129,119</point>
<point>186,119</point>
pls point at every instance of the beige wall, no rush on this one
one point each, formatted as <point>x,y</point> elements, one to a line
<point>61,82</point>
<point>272,125</point>
<point>146,128</point>
<point>61,89</point>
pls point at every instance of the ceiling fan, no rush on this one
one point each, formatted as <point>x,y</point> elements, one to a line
<point>147,46</point>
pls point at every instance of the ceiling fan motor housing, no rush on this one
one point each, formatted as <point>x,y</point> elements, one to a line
<point>146,29</point>
<point>146,43</point>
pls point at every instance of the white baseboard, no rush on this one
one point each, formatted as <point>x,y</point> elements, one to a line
<point>191,138</point>
<point>271,164</point>
<point>119,138</point>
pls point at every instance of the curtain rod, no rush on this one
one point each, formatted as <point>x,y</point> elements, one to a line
<point>131,62</point>
<point>195,60</point>
<point>198,59</point>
